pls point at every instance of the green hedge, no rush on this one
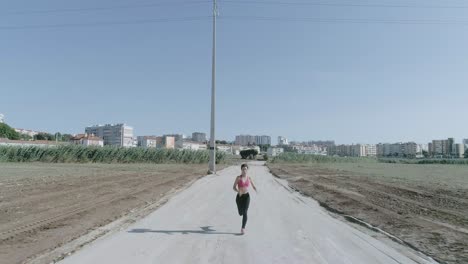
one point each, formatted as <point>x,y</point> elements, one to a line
<point>426,161</point>
<point>306,158</point>
<point>107,154</point>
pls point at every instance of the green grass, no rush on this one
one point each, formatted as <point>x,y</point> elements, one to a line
<point>433,176</point>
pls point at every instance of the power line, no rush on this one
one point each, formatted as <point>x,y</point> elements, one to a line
<point>105,8</point>
<point>348,20</point>
<point>108,23</point>
<point>235,2</point>
<point>242,2</point>
<point>245,18</point>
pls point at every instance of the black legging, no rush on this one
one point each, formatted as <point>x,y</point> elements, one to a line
<point>243,202</point>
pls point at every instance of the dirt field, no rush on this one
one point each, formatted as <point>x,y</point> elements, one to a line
<point>426,206</point>
<point>43,206</point>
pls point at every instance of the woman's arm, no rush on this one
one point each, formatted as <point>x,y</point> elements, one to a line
<point>253,185</point>
<point>235,185</point>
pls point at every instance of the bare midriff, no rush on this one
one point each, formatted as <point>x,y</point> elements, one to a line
<point>243,190</point>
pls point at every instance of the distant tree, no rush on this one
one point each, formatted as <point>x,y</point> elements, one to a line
<point>425,153</point>
<point>224,142</point>
<point>249,154</point>
<point>66,137</point>
<point>264,147</point>
<point>466,154</point>
<point>25,137</point>
<point>39,136</point>
<point>44,136</point>
<point>7,132</point>
<point>287,148</point>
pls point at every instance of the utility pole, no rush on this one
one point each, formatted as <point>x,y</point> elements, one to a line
<point>212,164</point>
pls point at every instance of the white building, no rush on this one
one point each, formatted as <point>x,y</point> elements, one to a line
<point>87,140</point>
<point>2,118</point>
<point>458,150</point>
<point>421,148</point>
<point>147,141</point>
<point>465,142</point>
<point>225,148</point>
<point>282,141</point>
<point>113,134</point>
<point>371,150</point>
<point>358,150</point>
<point>310,150</point>
<point>274,151</point>
<point>192,145</point>
<point>28,132</point>
<point>24,143</point>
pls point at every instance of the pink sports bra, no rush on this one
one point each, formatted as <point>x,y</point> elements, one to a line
<point>243,184</point>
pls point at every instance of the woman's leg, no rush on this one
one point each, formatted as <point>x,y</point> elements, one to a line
<point>246,203</point>
<point>239,205</point>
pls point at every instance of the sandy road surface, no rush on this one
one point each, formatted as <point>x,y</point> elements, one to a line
<point>201,225</point>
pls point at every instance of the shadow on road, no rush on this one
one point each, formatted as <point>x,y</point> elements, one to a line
<point>205,230</point>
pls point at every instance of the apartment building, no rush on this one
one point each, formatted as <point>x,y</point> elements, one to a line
<point>408,149</point>
<point>199,137</point>
<point>113,134</point>
<point>245,140</point>
<point>355,150</point>
<point>441,148</point>
<point>167,142</point>
<point>178,140</point>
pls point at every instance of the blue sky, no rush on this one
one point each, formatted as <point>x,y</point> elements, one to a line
<point>361,81</point>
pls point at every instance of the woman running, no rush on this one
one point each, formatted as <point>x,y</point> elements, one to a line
<point>241,186</point>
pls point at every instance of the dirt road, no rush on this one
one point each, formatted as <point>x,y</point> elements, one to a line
<point>201,225</point>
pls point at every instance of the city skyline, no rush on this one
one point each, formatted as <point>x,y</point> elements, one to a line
<point>463,140</point>
<point>70,65</point>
